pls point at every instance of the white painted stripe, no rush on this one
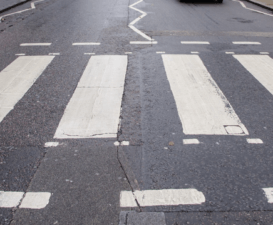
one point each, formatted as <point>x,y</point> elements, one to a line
<point>143,42</point>
<point>54,53</point>
<point>254,141</point>
<point>245,43</point>
<point>10,199</point>
<point>190,141</point>
<point>35,200</point>
<point>160,52</point>
<point>89,53</point>
<point>201,105</point>
<point>254,10</point>
<point>164,197</point>
<point>269,194</point>
<point>94,109</point>
<point>17,78</point>
<point>264,53</point>
<point>51,144</point>
<point>195,43</point>
<point>128,53</point>
<point>231,53</point>
<point>20,54</point>
<point>116,143</point>
<point>260,66</point>
<point>194,52</point>
<point>125,143</point>
<point>35,44</point>
<point>86,43</point>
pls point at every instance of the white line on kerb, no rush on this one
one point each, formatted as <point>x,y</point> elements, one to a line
<point>190,141</point>
<point>32,200</point>
<point>143,42</point>
<point>269,194</point>
<point>165,197</point>
<point>254,141</point>
<point>35,44</point>
<point>254,10</point>
<point>32,6</point>
<point>245,43</point>
<point>143,14</point>
<point>194,42</point>
<point>86,43</point>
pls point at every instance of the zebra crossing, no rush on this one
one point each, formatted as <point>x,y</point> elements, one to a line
<point>95,106</point>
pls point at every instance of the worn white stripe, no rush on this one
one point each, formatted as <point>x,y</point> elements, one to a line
<point>89,53</point>
<point>190,141</point>
<point>128,53</point>
<point>94,109</point>
<point>86,43</point>
<point>194,52</point>
<point>160,52</point>
<point>35,44</point>
<point>269,194</point>
<point>245,43</point>
<point>10,199</point>
<point>194,42</point>
<point>201,105</point>
<point>20,54</point>
<point>54,53</point>
<point>264,53</point>
<point>165,197</point>
<point>51,144</point>
<point>17,78</point>
<point>35,200</point>
<point>231,53</point>
<point>254,141</point>
<point>143,42</point>
<point>260,66</point>
<point>254,10</point>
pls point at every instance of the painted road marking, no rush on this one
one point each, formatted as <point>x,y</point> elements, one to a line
<point>143,42</point>
<point>35,200</point>
<point>254,10</point>
<point>163,197</point>
<point>17,78</point>
<point>51,144</point>
<point>31,200</point>
<point>269,194</point>
<point>20,54</point>
<point>94,109</point>
<point>9,199</point>
<point>190,141</point>
<point>194,42</point>
<point>86,43</point>
<point>254,141</point>
<point>245,43</point>
<point>260,66</point>
<point>35,44</point>
<point>143,14</point>
<point>194,92</point>
<point>194,52</point>
<point>264,53</point>
<point>54,53</point>
<point>231,53</point>
<point>128,53</point>
<point>160,52</point>
<point>89,53</point>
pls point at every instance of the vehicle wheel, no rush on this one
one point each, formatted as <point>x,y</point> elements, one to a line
<point>219,1</point>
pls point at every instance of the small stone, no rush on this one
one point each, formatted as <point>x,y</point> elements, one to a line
<point>171,143</point>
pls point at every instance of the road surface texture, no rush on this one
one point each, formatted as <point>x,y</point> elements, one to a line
<point>136,112</point>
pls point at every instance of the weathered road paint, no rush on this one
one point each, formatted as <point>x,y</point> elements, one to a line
<point>202,107</point>
<point>94,109</point>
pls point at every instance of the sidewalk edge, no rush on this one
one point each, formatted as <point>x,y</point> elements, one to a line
<point>260,4</point>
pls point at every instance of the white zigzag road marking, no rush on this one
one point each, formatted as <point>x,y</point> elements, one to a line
<point>254,10</point>
<point>32,6</point>
<point>131,25</point>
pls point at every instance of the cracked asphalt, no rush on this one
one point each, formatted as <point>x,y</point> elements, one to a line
<point>86,176</point>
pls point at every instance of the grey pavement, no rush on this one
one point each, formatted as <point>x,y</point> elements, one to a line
<point>86,176</point>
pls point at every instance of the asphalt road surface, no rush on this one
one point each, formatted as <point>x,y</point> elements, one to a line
<point>134,112</point>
